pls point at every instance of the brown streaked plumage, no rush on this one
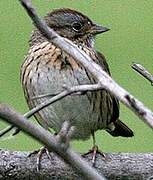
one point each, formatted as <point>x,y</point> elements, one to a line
<point>47,68</point>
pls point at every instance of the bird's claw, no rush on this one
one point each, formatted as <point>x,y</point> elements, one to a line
<point>39,154</point>
<point>94,152</point>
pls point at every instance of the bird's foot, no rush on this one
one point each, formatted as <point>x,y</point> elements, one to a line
<point>94,152</point>
<point>39,154</point>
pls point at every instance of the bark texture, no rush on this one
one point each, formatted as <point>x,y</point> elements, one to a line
<point>129,166</point>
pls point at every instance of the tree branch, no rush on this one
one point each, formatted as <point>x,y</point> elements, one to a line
<point>143,71</point>
<point>117,166</point>
<point>104,81</point>
<point>103,78</point>
<point>51,142</point>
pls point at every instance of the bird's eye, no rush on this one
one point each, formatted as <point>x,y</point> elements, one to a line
<point>89,23</point>
<point>76,26</point>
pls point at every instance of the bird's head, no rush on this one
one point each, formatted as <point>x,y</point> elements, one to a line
<point>70,24</point>
<point>73,25</point>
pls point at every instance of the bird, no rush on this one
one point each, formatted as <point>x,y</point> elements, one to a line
<point>47,68</point>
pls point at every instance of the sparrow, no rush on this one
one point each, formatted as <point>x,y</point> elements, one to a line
<point>47,68</point>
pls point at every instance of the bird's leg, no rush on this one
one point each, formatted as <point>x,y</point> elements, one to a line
<point>39,153</point>
<point>94,151</point>
<point>62,137</point>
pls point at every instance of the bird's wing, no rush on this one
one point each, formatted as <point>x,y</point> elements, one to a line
<point>102,62</point>
<point>120,128</point>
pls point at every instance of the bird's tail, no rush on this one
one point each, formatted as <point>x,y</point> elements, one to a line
<point>121,130</point>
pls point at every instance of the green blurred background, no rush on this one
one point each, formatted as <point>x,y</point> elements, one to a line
<point>130,40</point>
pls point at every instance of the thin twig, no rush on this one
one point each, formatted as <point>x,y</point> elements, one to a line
<point>71,90</point>
<point>103,78</point>
<point>68,91</point>
<point>50,141</point>
<point>43,96</point>
<point>143,71</point>
<point>65,134</point>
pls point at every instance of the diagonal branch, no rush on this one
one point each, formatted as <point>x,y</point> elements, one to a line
<point>103,78</point>
<point>50,141</point>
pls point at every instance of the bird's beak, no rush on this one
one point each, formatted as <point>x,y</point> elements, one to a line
<point>97,29</point>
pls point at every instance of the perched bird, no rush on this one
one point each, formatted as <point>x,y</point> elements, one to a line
<point>47,68</point>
